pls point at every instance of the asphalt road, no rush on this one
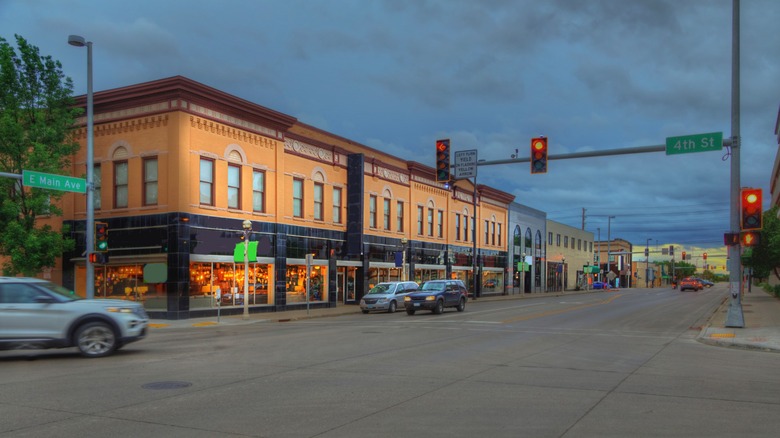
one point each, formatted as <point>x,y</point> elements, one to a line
<point>603,364</point>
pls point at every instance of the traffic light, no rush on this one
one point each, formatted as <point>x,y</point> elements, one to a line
<point>98,257</point>
<point>671,250</point>
<point>539,155</point>
<point>750,207</point>
<point>704,256</point>
<point>443,160</point>
<point>731,239</point>
<point>750,238</point>
<point>101,236</point>
<point>683,256</point>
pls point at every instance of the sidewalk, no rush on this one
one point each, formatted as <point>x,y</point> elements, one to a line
<point>761,313</point>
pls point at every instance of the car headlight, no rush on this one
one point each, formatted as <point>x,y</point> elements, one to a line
<point>362,301</point>
<point>382,300</point>
<point>430,298</point>
<point>120,309</point>
<point>407,298</point>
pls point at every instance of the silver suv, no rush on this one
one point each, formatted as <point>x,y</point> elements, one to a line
<point>387,296</point>
<point>36,313</point>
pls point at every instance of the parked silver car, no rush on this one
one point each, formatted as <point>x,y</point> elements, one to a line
<point>387,296</point>
<point>36,313</point>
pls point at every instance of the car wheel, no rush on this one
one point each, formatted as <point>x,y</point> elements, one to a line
<point>410,311</point>
<point>365,311</point>
<point>461,305</point>
<point>439,307</point>
<point>96,339</point>
<point>392,307</point>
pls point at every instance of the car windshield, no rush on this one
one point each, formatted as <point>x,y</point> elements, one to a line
<point>433,286</point>
<point>59,290</point>
<point>381,289</point>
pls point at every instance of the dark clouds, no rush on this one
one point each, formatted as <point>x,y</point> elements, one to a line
<point>397,74</point>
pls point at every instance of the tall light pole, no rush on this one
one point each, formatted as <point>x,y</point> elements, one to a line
<point>404,275</point>
<point>79,41</point>
<point>609,226</point>
<point>735,317</point>
<point>599,256</point>
<point>647,261</point>
<point>247,225</point>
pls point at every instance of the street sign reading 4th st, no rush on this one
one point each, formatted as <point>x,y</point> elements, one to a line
<point>712,141</point>
<point>52,181</point>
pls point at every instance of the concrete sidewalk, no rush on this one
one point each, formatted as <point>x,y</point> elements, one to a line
<point>761,313</point>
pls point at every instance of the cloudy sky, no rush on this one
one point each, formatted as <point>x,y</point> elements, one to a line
<point>398,74</point>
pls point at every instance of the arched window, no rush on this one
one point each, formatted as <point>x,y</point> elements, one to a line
<point>528,241</point>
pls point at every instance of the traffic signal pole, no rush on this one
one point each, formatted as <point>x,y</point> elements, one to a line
<point>735,317</point>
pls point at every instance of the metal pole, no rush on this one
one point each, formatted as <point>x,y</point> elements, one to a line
<point>609,229</point>
<point>246,274</point>
<point>647,262</point>
<point>735,317</point>
<point>474,240</point>
<point>79,41</point>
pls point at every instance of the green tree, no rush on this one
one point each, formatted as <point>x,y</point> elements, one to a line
<point>36,133</point>
<point>764,258</point>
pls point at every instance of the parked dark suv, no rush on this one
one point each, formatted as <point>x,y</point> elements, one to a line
<point>435,295</point>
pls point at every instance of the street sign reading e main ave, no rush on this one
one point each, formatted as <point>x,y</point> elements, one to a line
<point>712,141</point>
<point>53,182</point>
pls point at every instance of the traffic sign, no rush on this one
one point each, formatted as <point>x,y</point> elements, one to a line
<point>712,141</point>
<point>52,181</point>
<point>466,164</point>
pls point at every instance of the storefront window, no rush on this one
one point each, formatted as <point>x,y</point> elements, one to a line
<point>296,284</point>
<point>213,284</point>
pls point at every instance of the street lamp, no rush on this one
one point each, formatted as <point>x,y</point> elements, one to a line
<point>609,225</point>
<point>247,224</point>
<point>647,261</point>
<point>563,272</point>
<point>79,41</point>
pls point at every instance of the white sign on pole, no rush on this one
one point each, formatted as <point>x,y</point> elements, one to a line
<point>466,164</point>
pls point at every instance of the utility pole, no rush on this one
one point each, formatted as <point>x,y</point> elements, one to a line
<point>735,317</point>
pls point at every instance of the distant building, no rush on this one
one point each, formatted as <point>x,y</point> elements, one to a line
<point>620,261</point>
<point>569,250</point>
<point>526,249</point>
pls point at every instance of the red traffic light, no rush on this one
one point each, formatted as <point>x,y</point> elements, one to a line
<point>443,160</point>
<point>539,155</point>
<point>750,209</point>
<point>704,256</point>
<point>683,255</point>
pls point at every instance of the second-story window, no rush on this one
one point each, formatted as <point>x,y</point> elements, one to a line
<point>399,217</point>
<point>386,213</point>
<point>258,191</point>
<point>465,228</point>
<point>120,184</point>
<point>337,205</point>
<point>234,186</point>
<point>297,197</point>
<point>430,222</point>
<point>440,223</point>
<point>319,193</point>
<point>150,181</point>
<point>499,234</point>
<point>457,226</point>
<point>372,211</point>
<point>420,213</point>
<point>493,233</point>
<point>206,181</point>
<point>487,232</point>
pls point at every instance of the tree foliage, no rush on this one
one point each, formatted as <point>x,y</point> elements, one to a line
<point>36,127</point>
<point>764,258</point>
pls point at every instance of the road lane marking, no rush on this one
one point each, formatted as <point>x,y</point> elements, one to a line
<point>559,311</point>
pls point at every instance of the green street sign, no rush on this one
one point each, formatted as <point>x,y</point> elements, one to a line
<point>712,141</point>
<point>53,182</point>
